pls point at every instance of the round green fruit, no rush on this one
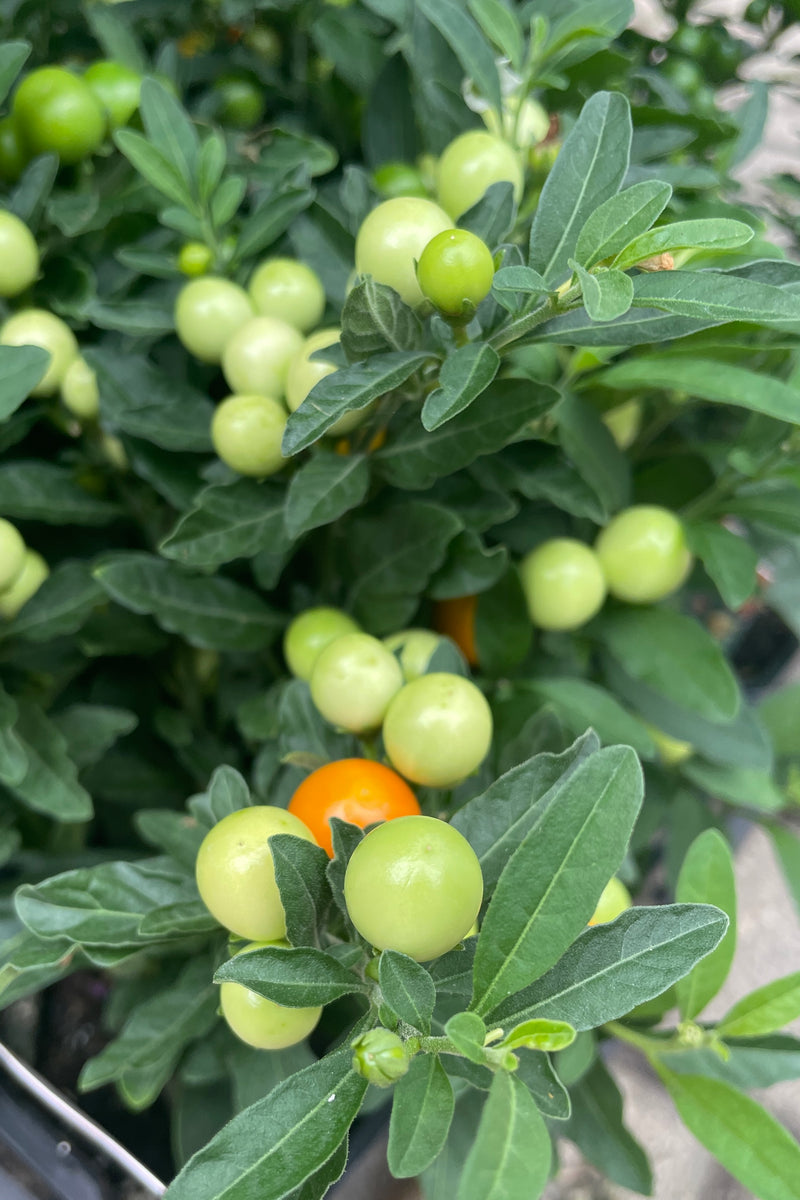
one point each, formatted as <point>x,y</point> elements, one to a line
<point>624,422</point>
<point>563,584</point>
<point>260,1022</point>
<point>208,313</point>
<point>33,574</point>
<point>524,122</point>
<point>241,101</point>
<point>380,1056</point>
<point>247,432</point>
<point>118,89</point>
<point>257,356</point>
<point>309,634</point>
<point>415,649</point>
<point>398,179</point>
<point>643,554</point>
<point>12,554</point>
<point>285,288</point>
<point>305,373</point>
<point>79,390</point>
<point>414,885</point>
<point>58,113</point>
<point>455,272</point>
<point>195,259</point>
<point>236,875</point>
<point>614,899</point>
<point>36,327</point>
<point>353,680</point>
<point>438,730</point>
<point>19,255</point>
<point>391,240</point>
<point>471,164</point>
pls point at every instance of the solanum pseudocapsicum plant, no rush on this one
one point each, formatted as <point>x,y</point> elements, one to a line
<point>533,472</point>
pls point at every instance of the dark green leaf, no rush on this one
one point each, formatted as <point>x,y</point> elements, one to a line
<point>468,44</point>
<point>597,1128</point>
<point>710,295</point>
<point>716,233</point>
<point>501,27</point>
<point>408,989</point>
<point>503,630</point>
<point>375,319</point>
<point>303,885</point>
<point>465,374</point>
<point>61,606</point>
<point>736,785</point>
<point>148,403</point>
<point>591,447</point>
<point>50,782</point>
<point>511,1153</point>
<point>324,489</point>
<point>12,60</point>
<point>607,294</point>
<point>272,218</point>
<point>492,218</point>
<point>153,166</point>
<point>729,560</point>
<point>21,368</point>
<point>707,878</point>
<point>582,705</point>
<point>229,521</point>
<point>43,491</point>
<point>422,1110</point>
<point>619,219</point>
<point>92,729</point>
<point>295,977</point>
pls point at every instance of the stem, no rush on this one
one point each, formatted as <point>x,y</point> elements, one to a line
<point>650,1046</point>
<point>524,324</point>
<point>705,505</point>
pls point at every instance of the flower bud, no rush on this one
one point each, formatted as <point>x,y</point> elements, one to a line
<point>380,1056</point>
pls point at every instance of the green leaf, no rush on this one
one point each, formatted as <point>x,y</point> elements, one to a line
<point>42,491</point>
<point>440,1180</point>
<point>492,217</point>
<point>470,567</point>
<point>780,712</point>
<point>706,379</point>
<point>229,521</point>
<point>771,503</point>
<point>584,834</point>
<point>300,873</point>
<point>589,169</point>
<point>612,968</point>
<point>597,1128</point>
<point>344,391</point>
<point>716,233</point>
<point>50,782</point>
<point>92,729</point>
<point>520,279</point>
<point>296,977</point>
<point>158,1031</point>
<point>215,614</point>
<point>582,705</point>
<point>21,368</point>
<point>787,847</point>
<point>751,1062</point>
<point>324,489</point>
<point>149,403</point>
<point>392,557</point>
<point>736,785</point>
<point>375,319</point>
<point>503,630</point>
<point>591,447</point>
<point>272,218</point>
<point>611,226</point>
<point>495,822</point>
<point>227,792</point>
<point>13,56</point>
<point>707,878</point>
<point>501,27</point>
<point>467,1032</point>
<point>13,759</point>
<point>711,295</point>
<point>607,294</point>
<point>511,1154</point>
<point>408,989</point>
<point>169,129</point>
<point>766,1010</point>
<point>415,458</point>
<point>277,1143</point>
<point>729,560</point>
<point>422,1110</point>
<point>115,38</point>
<point>153,166</point>
<point>465,374</point>
<point>176,834</point>
<point>740,1133</point>
<point>539,1034</point>
<point>467,43</point>
<point>552,1098</point>
<point>61,606</point>
<point>676,657</point>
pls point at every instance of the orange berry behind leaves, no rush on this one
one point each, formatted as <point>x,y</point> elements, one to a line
<point>357,790</point>
<point>456,619</point>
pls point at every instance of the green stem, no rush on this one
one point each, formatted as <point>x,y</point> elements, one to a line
<point>650,1046</point>
<point>524,324</point>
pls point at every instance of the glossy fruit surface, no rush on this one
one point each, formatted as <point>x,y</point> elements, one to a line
<point>357,790</point>
<point>79,390</point>
<point>13,153</point>
<point>12,554</point>
<point>19,255</point>
<point>261,1022</point>
<point>455,271</point>
<point>398,179</point>
<point>524,122</point>
<point>236,875</point>
<point>614,899</point>
<point>392,238</point>
<point>285,288</point>
<point>305,373</point>
<point>414,885</point>
<point>118,89</point>
<point>37,327</point>
<point>256,357</point>
<point>643,554</point>
<point>456,619</point>
<point>563,583</point>
<point>195,259</point>
<point>414,648</point>
<point>380,1056</point>
<point>353,681</point>
<point>33,574</point>
<point>471,164</point>
<point>208,313</point>
<point>247,432</point>
<point>438,729</point>
<point>309,634</point>
<point>58,112</point>
<point>241,101</point>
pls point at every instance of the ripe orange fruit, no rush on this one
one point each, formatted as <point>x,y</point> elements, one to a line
<point>357,790</point>
<point>456,619</point>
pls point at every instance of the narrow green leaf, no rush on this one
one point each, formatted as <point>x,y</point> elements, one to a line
<point>707,878</point>
<point>12,59</point>
<point>511,1155</point>
<point>277,1143</point>
<point>766,1010</point>
<point>747,786</point>
<point>582,705</point>
<point>552,1098</point>
<point>787,847</point>
<point>21,368</point>
<point>153,166</point>
<point>539,1033</point>
<point>300,873</point>
<point>520,279</point>
<point>408,989</point>
<point>229,521</point>
<point>37,490</point>
<point>748,1142</point>
<point>422,1111</point>
<point>619,219</point>
<point>467,43</point>
<point>591,447</point>
<point>465,374</point>
<point>716,233</point>
<point>169,129</point>
<point>730,561</point>
<point>61,606</point>
<point>272,218</point>
<point>597,1128</point>
<point>296,977</point>
<point>324,489</point>
<point>589,169</point>
<point>710,295</point>
<point>50,783</point>
<point>501,27</point>
<point>582,834</point>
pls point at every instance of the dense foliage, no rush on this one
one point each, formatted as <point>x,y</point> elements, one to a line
<point>564,453</point>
